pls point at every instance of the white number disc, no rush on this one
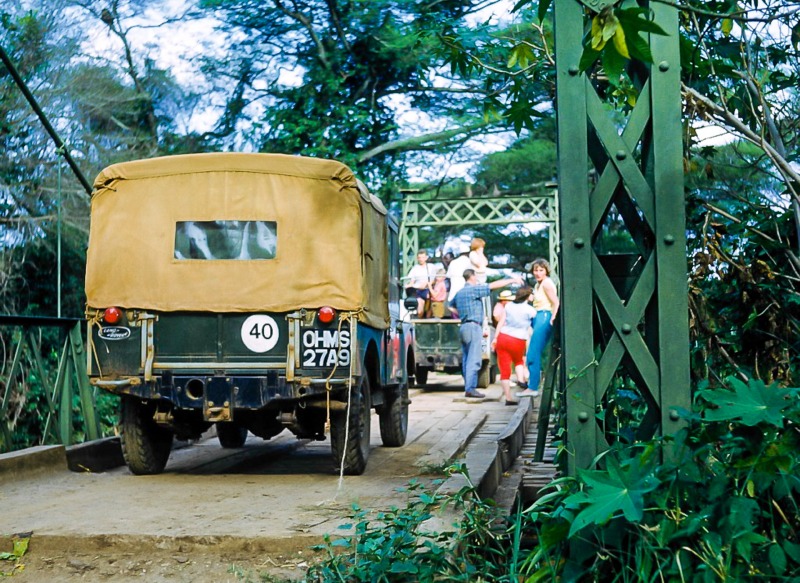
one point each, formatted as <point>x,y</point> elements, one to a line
<point>260,333</point>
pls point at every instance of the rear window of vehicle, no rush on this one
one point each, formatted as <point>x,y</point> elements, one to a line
<point>213,240</point>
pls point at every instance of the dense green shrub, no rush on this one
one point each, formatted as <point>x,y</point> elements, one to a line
<point>717,502</point>
<point>721,506</point>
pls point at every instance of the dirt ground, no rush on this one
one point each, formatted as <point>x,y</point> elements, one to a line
<point>217,515</point>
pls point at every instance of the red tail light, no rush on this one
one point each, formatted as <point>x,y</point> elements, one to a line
<point>112,316</point>
<point>326,315</point>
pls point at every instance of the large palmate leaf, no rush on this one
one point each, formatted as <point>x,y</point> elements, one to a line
<point>619,489</point>
<point>750,404</point>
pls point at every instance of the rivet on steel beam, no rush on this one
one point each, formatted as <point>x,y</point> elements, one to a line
<point>573,70</point>
<point>673,415</point>
<point>621,154</point>
<point>669,240</point>
<point>583,416</point>
<point>663,66</point>
<point>579,243</point>
<point>626,328</point>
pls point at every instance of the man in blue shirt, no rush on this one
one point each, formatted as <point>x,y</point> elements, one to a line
<point>470,309</point>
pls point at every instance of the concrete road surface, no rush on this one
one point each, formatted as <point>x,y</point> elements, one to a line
<point>256,509</point>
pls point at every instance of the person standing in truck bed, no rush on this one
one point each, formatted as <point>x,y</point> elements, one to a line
<point>420,277</point>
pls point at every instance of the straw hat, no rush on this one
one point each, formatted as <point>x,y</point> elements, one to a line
<point>506,296</point>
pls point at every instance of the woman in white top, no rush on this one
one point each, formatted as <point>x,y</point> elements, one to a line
<point>512,335</point>
<point>545,300</point>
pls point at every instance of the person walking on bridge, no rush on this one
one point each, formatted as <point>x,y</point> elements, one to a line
<point>511,337</point>
<point>468,303</point>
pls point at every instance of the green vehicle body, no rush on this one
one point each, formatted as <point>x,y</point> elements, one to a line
<point>437,348</point>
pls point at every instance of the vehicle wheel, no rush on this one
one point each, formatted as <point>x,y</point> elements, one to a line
<point>393,419</point>
<point>484,375</point>
<point>492,374</point>
<point>145,445</point>
<point>231,435</point>
<point>355,448</point>
<point>421,376</point>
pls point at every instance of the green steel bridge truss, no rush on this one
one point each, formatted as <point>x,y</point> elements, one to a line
<point>66,389</point>
<point>465,212</point>
<point>624,318</point>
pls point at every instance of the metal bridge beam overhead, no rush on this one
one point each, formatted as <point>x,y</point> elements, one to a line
<point>467,212</point>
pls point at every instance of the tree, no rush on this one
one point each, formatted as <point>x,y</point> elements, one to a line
<point>739,70</point>
<point>328,78</point>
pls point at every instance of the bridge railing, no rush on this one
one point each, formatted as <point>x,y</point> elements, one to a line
<point>32,361</point>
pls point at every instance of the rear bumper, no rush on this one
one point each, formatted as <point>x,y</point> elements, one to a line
<point>198,392</point>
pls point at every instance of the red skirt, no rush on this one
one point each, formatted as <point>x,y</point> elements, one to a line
<point>510,352</point>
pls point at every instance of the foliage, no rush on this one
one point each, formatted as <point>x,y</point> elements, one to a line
<point>722,506</point>
<point>624,27</point>
<point>29,409</point>
<point>333,78</point>
<point>743,287</point>
<point>521,168</point>
<point>716,502</point>
<point>399,545</point>
<point>19,544</point>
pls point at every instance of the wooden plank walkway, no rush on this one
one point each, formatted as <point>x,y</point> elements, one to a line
<point>525,478</point>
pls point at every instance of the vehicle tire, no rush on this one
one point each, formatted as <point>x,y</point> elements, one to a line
<point>145,445</point>
<point>230,435</point>
<point>484,375</point>
<point>393,418</point>
<point>492,374</point>
<point>421,376</point>
<point>354,449</point>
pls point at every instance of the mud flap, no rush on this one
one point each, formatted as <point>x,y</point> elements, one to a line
<point>218,400</point>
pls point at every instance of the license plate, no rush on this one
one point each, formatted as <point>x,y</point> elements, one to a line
<point>326,348</point>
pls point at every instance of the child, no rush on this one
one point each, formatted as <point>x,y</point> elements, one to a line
<point>478,259</point>
<point>438,294</point>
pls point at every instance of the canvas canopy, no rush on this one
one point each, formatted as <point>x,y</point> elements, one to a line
<point>237,233</point>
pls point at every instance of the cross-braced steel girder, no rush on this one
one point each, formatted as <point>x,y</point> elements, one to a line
<point>466,212</point>
<point>625,315</point>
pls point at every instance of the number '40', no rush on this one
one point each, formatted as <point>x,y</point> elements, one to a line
<point>262,331</point>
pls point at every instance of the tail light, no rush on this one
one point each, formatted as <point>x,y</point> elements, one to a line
<point>326,314</point>
<point>112,316</point>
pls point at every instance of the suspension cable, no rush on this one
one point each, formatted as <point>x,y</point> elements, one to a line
<point>60,147</point>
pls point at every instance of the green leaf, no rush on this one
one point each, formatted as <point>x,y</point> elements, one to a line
<point>727,26</point>
<point>637,46</point>
<point>597,40</point>
<point>778,559</point>
<point>619,489</point>
<point>520,4</point>
<point>744,544</point>
<point>544,6</point>
<point>21,545</point>
<point>791,549</point>
<point>403,567</point>
<point>796,36</point>
<point>620,45</point>
<point>751,404</point>
<point>614,65</point>
<point>631,18</point>
<point>588,58</point>
<point>521,54</point>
